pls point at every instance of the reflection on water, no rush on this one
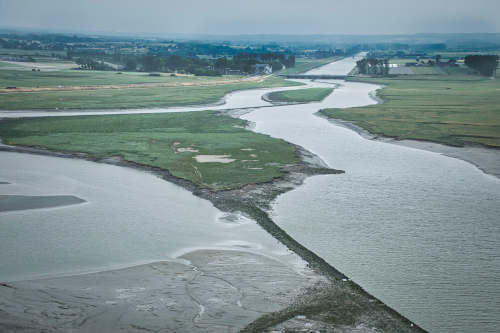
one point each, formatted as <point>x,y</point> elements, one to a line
<point>419,230</point>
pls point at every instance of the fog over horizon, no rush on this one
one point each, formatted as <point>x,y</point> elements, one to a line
<point>254,17</point>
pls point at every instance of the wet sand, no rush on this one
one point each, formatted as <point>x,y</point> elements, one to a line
<point>23,202</point>
<point>204,291</point>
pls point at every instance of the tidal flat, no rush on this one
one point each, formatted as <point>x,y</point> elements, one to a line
<point>22,202</point>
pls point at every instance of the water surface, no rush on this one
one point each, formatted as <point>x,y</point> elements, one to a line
<point>129,217</point>
<point>419,230</point>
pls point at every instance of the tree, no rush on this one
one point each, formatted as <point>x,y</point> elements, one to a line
<point>131,64</point>
<point>276,66</point>
<point>362,66</point>
<point>151,63</point>
<point>484,64</point>
<point>386,67</point>
<point>221,63</point>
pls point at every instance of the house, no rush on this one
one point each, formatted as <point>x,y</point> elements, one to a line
<point>263,69</point>
<point>229,71</point>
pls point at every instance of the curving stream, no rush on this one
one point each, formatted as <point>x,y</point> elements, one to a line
<point>419,230</point>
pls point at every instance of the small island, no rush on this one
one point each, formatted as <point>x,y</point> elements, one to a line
<point>298,96</point>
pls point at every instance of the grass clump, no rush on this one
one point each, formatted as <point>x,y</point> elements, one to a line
<point>168,141</point>
<point>300,95</point>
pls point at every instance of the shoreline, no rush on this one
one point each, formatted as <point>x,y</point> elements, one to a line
<point>485,159</point>
<point>254,202</point>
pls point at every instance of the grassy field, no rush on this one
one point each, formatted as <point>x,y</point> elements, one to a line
<point>304,64</point>
<point>462,70</point>
<point>453,54</point>
<point>130,98</point>
<point>400,61</point>
<point>6,64</point>
<point>168,141</point>
<point>92,78</point>
<point>33,53</point>
<point>450,109</point>
<point>300,95</point>
<point>434,70</point>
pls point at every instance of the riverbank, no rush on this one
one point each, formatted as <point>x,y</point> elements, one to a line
<point>454,109</point>
<point>487,159</point>
<point>253,201</point>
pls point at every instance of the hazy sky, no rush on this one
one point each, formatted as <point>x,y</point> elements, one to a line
<point>254,16</point>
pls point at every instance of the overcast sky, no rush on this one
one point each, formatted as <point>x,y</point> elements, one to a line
<point>254,16</point>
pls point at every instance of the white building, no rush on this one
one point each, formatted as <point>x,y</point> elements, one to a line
<point>263,69</point>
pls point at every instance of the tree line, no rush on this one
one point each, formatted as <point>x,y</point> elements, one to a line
<point>484,64</point>
<point>243,62</point>
<point>373,66</point>
<point>91,64</point>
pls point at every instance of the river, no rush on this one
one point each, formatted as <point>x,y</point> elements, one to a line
<point>418,230</point>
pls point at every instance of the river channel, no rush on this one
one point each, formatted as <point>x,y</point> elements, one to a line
<point>419,230</point>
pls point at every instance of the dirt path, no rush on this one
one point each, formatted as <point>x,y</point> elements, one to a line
<point>135,85</point>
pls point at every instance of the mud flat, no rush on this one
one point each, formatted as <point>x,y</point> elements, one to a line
<point>22,202</point>
<point>203,291</point>
<point>218,275</point>
<point>486,159</point>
